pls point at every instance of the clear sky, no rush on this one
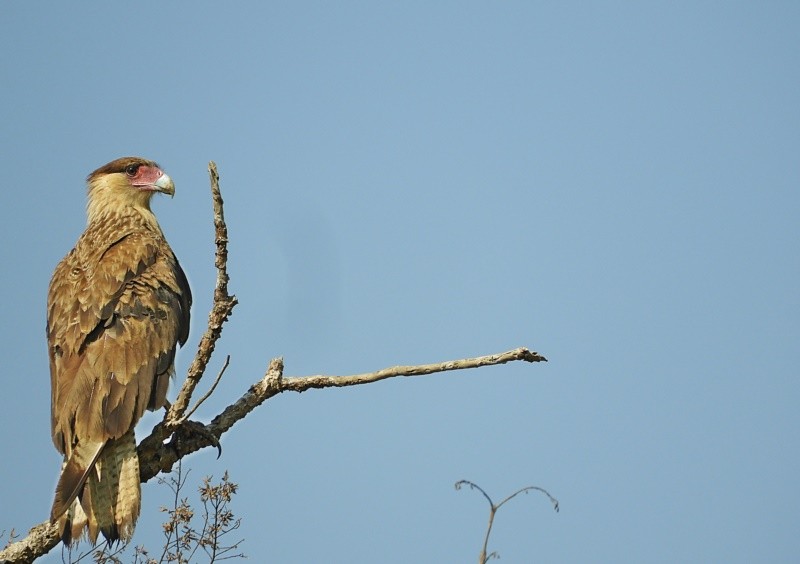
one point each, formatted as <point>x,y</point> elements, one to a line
<point>615,185</point>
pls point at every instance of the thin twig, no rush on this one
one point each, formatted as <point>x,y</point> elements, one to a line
<point>211,390</point>
<point>275,383</point>
<point>304,383</point>
<point>175,483</point>
<point>553,500</point>
<point>483,557</point>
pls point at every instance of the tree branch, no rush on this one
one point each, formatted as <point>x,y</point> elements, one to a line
<point>156,455</point>
<point>220,312</point>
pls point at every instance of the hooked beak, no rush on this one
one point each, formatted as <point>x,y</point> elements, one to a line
<point>165,185</point>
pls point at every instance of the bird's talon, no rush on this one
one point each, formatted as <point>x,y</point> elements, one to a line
<point>189,427</point>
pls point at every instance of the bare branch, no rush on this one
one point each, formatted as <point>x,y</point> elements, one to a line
<point>275,383</point>
<point>222,307</point>
<point>307,382</point>
<point>157,457</point>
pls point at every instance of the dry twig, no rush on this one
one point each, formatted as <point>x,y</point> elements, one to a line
<point>484,558</point>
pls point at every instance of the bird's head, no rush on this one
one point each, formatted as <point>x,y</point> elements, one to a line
<point>126,182</point>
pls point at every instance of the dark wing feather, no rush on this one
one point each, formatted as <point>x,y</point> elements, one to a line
<point>73,476</point>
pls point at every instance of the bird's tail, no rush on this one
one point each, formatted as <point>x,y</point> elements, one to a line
<point>102,495</point>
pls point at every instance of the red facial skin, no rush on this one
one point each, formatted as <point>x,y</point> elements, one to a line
<point>144,177</point>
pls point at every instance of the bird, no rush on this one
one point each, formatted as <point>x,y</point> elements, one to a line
<point>118,306</point>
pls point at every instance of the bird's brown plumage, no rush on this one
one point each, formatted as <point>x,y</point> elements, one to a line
<point>117,307</point>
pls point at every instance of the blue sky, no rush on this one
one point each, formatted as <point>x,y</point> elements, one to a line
<point>614,185</point>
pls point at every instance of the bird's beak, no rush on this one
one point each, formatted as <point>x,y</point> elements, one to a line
<point>165,185</point>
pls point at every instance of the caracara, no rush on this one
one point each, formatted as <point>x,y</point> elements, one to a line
<point>117,307</point>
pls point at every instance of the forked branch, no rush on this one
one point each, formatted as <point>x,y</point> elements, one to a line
<point>483,558</point>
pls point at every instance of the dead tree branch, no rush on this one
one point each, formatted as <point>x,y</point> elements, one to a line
<point>222,308</point>
<point>175,437</point>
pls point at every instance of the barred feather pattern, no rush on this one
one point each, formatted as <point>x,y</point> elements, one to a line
<point>114,491</point>
<point>110,497</point>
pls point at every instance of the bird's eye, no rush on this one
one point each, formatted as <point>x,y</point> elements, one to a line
<point>130,170</point>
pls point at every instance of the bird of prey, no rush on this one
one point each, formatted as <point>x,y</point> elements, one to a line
<point>117,307</point>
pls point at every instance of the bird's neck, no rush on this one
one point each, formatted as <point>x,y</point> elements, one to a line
<point>134,217</point>
<point>110,201</point>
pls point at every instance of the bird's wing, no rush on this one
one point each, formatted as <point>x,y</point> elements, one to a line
<point>114,318</point>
